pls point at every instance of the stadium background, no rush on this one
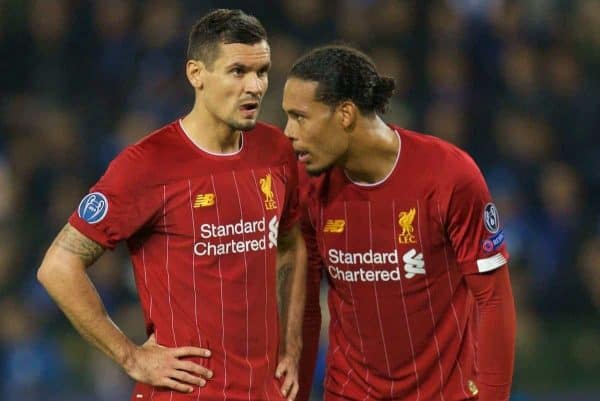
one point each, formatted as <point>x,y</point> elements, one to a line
<point>513,82</point>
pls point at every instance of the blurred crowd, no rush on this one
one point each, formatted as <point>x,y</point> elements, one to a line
<point>515,83</point>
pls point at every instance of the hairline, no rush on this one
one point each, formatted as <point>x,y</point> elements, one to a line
<point>216,53</point>
<point>320,98</point>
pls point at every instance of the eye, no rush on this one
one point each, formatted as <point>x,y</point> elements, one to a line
<point>237,72</point>
<point>263,73</point>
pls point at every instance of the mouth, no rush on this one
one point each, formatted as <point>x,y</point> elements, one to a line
<point>249,106</point>
<point>302,156</point>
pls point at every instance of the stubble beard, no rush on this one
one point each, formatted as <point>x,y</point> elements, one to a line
<point>243,125</point>
<point>318,171</point>
<point>246,126</point>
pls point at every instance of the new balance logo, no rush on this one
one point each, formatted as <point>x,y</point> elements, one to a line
<point>204,200</point>
<point>334,226</point>
<point>413,263</point>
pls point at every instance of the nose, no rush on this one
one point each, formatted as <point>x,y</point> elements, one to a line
<point>288,131</point>
<point>254,84</point>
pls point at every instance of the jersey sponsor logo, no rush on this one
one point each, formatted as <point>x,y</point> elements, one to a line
<point>405,221</point>
<point>364,275</point>
<point>334,226</point>
<point>204,200</point>
<point>359,258</point>
<point>472,387</point>
<point>491,220</point>
<point>93,207</point>
<point>273,230</point>
<point>413,265</point>
<point>266,187</point>
<point>240,231</point>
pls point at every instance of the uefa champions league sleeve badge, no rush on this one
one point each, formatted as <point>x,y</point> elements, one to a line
<point>93,208</point>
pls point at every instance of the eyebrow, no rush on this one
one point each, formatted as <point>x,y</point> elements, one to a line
<point>245,67</point>
<point>295,112</point>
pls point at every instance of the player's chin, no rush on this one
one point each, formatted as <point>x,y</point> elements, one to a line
<point>245,125</point>
<point>314,170</point>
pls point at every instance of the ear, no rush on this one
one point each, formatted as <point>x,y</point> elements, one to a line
<point>194,70</point>
<point>347,114</point>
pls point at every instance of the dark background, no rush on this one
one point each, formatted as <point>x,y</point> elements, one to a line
<point>515,83</point>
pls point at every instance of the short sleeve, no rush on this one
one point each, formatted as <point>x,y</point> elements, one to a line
<point>291,211</point>
<point>118,204</point>
<point>473,222</point>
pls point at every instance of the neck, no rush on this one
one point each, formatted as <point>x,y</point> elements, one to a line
<point>372,152</point>
<point>209,133</point>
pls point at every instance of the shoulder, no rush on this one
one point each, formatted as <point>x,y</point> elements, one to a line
<point>443,158</point>
<point>264,134</point>
<point>268,142</point>
<point>313,188</point>
<point>156,143</point>
<point>138,160</point>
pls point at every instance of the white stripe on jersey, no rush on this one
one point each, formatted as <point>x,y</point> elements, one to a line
<point>412,349</point>
<point>462,378</point>
<point>167,269</point>
<point>362,350</point>
<point>437,345</point>
<point>212,179</point>
<point>149,292</point>
<point>341,299</point>
<point>387,360</point>
<point>260,204</point>
<point>194,271</point>
<point>150,311</point>
<point>237,191</point>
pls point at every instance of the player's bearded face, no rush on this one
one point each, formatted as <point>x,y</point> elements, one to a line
<point>316,136</point>
<point>233,89</point>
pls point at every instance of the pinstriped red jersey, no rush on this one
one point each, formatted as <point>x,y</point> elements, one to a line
<point>202,233</point>
<point>395,254</point>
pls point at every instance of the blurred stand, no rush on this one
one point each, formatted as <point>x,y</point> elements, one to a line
<point>515,83</point>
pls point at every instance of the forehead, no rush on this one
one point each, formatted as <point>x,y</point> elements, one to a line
<point>299,94</point>
<point>230,53</point>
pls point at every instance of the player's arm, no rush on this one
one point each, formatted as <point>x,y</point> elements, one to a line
<point>291,290</point>
<point>63,274</point>
<point>478,240</point>
<point>496,335</point>
<point>311,327</point>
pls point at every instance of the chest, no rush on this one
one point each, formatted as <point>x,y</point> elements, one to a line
<point>219,206</point>
<point>380,236</point>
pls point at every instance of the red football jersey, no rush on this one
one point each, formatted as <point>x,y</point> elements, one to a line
<point>395,254</point>
<point>202,231</point>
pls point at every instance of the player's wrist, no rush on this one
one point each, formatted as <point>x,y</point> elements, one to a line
<point>128,357</point>
<point>293,349</point>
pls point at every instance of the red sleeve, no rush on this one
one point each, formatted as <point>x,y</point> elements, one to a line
<point>312,312</point>
<point>496,334</point>
<point>291,212</point>
<point>472,219</point>
<point>114,208</point>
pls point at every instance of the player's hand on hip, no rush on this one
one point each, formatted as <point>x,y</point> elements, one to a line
<point>160,366</point>
<point>287,369</point>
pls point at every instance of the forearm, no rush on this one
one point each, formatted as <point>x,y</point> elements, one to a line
<point>311,329</point>
<point>63,274</point>
<point>496,335</point>
<point>297,299</point>
<point>291,288</point>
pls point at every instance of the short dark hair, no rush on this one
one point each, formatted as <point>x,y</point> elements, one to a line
<point>222,26</point>
<point>344,73</point>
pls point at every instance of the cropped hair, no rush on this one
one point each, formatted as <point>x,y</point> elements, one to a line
<point>343,73</point>
<point>222,26</point>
